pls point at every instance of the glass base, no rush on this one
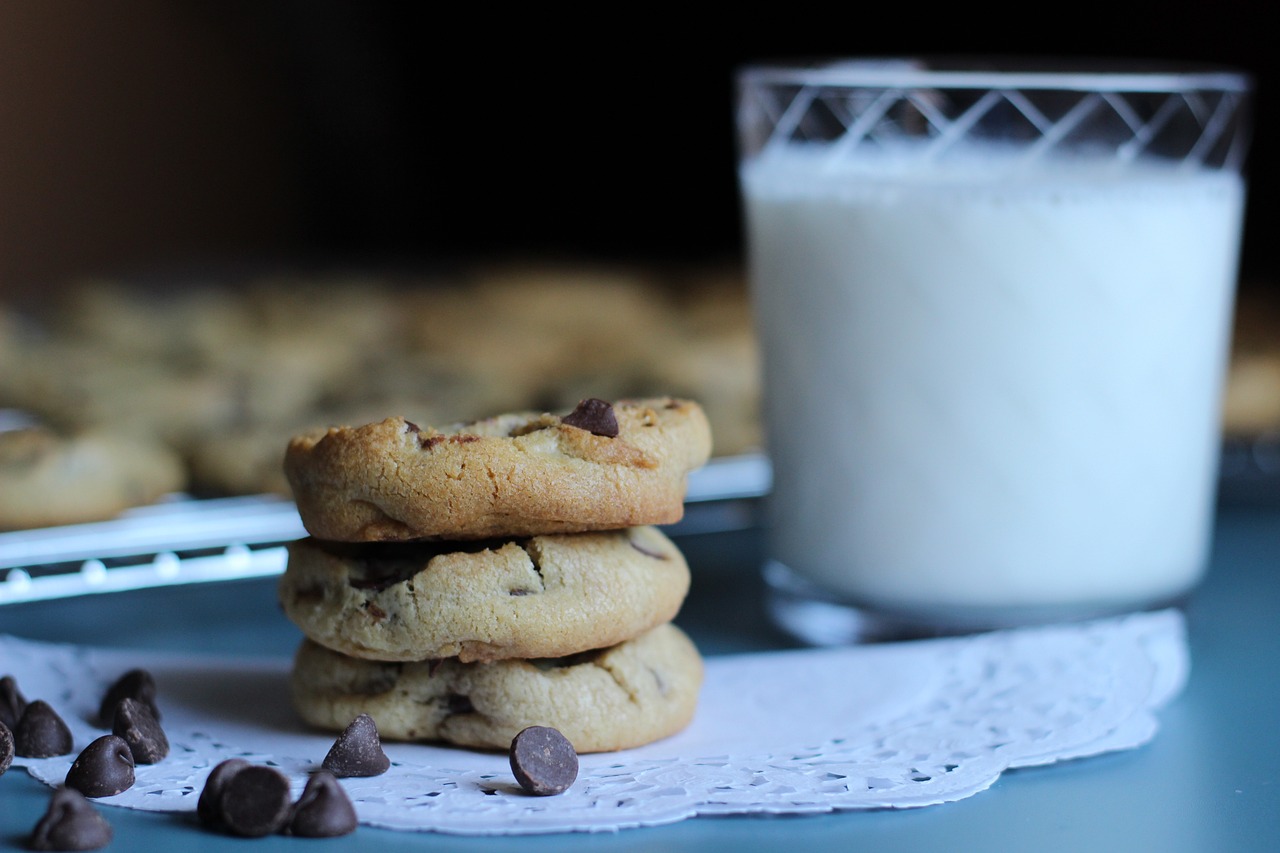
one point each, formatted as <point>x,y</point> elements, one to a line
<point>814,616</point>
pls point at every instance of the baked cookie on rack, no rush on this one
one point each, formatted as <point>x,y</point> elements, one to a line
<point>50,478</point>
<point>601,467</point>
<point>624,696</point>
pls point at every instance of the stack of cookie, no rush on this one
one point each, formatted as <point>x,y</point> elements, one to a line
<point>463,583</point>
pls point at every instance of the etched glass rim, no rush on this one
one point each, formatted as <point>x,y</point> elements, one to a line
<point>961,72</point>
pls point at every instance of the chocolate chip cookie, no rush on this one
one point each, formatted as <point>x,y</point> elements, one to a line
<point>625,696</point>
<point>544,596</point>
<point>49,477</point>
<point>517,474</point>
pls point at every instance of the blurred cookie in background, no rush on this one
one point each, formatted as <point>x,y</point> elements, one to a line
<point>49,478</point>
<point>219,374</point>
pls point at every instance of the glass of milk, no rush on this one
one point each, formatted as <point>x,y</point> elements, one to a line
<point>994,306</point>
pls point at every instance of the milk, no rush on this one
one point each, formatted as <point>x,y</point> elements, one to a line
<point>992,393</point>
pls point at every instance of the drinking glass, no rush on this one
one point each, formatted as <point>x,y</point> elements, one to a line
<point>994,303</point>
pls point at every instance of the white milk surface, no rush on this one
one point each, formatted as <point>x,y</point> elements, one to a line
<point>993,393</point>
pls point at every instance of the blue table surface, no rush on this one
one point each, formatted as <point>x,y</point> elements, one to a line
<point>1209,781</point>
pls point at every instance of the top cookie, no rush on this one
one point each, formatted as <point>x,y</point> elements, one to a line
<point>601,467</point>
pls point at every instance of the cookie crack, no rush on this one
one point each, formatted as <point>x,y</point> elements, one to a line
<point>389,480</point>
<point>535,561</point>
<point>663,688</point>
<point>379,514</point>
<point>646,550</point>
<point>632,696</point>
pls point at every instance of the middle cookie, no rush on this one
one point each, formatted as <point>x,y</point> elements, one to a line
<point>544,596</point>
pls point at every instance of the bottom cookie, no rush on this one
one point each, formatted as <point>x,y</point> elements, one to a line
<point>625,696</point>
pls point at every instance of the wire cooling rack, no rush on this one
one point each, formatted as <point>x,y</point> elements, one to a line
<point>184,540</point>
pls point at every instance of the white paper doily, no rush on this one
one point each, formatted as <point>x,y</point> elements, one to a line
<point>884,726</point>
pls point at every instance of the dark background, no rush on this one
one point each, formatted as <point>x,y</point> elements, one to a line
<point>140,136</point>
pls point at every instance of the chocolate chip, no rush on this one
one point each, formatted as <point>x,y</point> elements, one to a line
<point>324,810</point>
<point>410,426</point>
<point>6,748</point>
<point>209,806</point>
<point>40,732</point>
<point>103,769</point>
<point>381,565</point>
<point>456,703</point>
<point>255,801</point>
<point>543,761</point>
<point>137,725</point>
<point>594,415</point>
<point>357,751</point>
<point>70,823</point>
<point>135,684</point>
<point>12,703</point>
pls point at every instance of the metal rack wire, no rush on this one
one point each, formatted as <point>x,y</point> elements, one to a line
<point>184,541</point>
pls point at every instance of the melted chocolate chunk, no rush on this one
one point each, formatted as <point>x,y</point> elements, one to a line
<point>6,748</point>
<point>12,703</point>
<point>575,659</point>
<point>209,806</point>
<point>543,761</point>
<point>255,801</point>
<point>456,704</point>
<point>429,442</point>
<point>323,810</point>
<point>594,415</point>
<point>357,751</point>
<point>70,823</point>
<point>135,684</point>
<point>381,565</point>
<point>138,726</point>
<point>41,733</point>
<point>103,769</point>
